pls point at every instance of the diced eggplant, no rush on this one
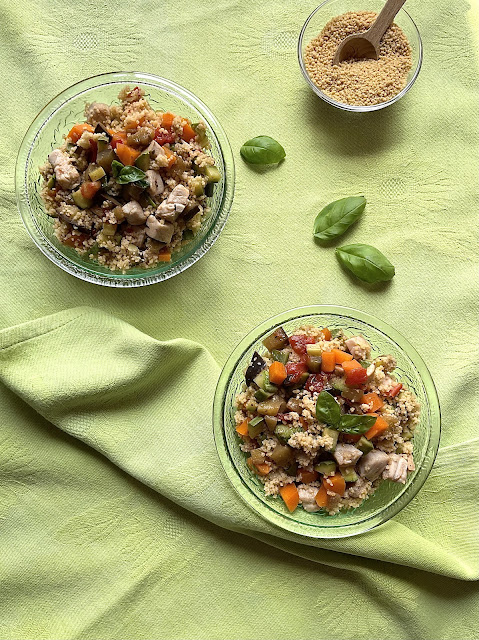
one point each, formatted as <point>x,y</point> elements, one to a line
<point>256,365</point>
<point>277,340</point>
<point>282,455</point>
<point>101,129</point>
<point>271,406</point>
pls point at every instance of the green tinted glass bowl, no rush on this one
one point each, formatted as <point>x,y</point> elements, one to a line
<point>390,497</point>
<point>46,133</point>
<point>332,8</point>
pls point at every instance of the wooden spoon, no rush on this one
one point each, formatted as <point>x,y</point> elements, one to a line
<point>366,45</point>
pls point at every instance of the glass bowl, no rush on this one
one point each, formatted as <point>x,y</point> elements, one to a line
<point>332,8</point>
<point>390,497</point>
<point>46,133</point>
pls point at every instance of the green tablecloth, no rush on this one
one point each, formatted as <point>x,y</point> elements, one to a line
<point>115,518</point>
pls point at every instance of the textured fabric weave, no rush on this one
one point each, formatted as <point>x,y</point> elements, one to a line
<point>116,520</point>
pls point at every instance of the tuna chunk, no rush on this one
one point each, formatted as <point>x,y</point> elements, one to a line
<point>134,212</point>
<point>66,174</point>
<point>347,454</point>
<point>174,205</point>
<point>98,113</point>
<point>159,229</point>
<point>358,347</point>
<point>307,495</point>
<point>372,464</point>
<point>396,469</point>
<point>155,183</point>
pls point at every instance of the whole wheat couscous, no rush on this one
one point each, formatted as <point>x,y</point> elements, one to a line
<point>358,81</point>
<point>129,184</point>
<point>322,422</point>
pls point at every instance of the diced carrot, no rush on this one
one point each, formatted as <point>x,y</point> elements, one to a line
<point>89,189</point>
<point>322,497</point>
<point>349,365</point>
<point>307,476</point>
<point>373,400</point>
<point>378,427</point>
<point>263,469</point>
<point>133,125</point>
<point>290,495</point>
<point>126,154</point>
<point>242,428</point>
<point>188,132</point>
<point>326,333</point>
<point>167,119</point>
<point>341,356</point>
<point>164,257</point>
<point>250,464</point>
<point>328,362</point>
<point>277,373</point>
<point>170,155</point>
<point>77,130</point>
<point>335,483</point>
<point>395,390</point>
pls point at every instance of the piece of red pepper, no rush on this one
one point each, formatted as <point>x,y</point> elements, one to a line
<point>395,390</point>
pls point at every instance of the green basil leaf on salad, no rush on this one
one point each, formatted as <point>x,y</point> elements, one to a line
<point>116,168</point>
<point>355,425</point>
<point>262,150</point>
<point>336,217</point>
<point>327,409</point>
<point>365,262</point>
<point>130,174</point>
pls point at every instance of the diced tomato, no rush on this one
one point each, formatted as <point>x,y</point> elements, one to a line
<point>119,137</point>
<point>89,189</point>
<point>356,377</point>
<point>93,150</point>
<point>164,138</point>
<point>298,344</point>
<point>294,372</point>
<point>316,382</point>
<point>395,390</point>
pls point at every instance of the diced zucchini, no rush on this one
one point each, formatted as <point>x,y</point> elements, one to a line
<point>354,395</point>
<point>256,426</point>
<point>109,229</point>
<point>327,467</point>
<point>80,200</point>
<point>261,395</point>
<point>200,130</point>
<point>102,144</point>
<point>284,432</point>
<point>364,445</point>
<point>51,182</point>
<point>314,363</point>
<point>251,405</point>
<point>280,356</point>
<point>143,161</point>
<point>105,158</point>
<point>339,384</point>
<point>271,406</point>
<point>332,433</point>
<point>271,422</point>
<point>262,380</point>
<point>276,340</point>
<point>211,173</point>
<point>314,350</point>
<point>349,474</point>
<point>96,173</point>
<point>292,470</point>
<point>282,455</point>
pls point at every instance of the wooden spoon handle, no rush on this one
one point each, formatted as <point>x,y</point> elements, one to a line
<point>384,20</point>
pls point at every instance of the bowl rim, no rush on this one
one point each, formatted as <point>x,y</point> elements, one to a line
<point>267,512</point>
<point>349,107</point>
<point>117,279</point>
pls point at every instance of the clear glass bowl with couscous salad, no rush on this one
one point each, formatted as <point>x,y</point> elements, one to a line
<point>125,179</point>
<point>329,421</point>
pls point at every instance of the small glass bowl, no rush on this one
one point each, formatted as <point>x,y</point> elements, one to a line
<point>332,8</point>
<point>390,497</point>
<point>46,133</point>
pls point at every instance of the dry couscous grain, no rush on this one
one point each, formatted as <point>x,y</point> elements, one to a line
<point>358,81</point>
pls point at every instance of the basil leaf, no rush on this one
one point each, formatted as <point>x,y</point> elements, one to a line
<point>262,150</point>
<point>142,183</point>
<point>130,174</point>
<point>327,409</point>
<point>355,425</point>
<point>365,262</point>
<point>336,217</point>
<point>116,168</point>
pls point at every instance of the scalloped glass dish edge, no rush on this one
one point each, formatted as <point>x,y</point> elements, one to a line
<point>277,513</point>
<point>116,279</point>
